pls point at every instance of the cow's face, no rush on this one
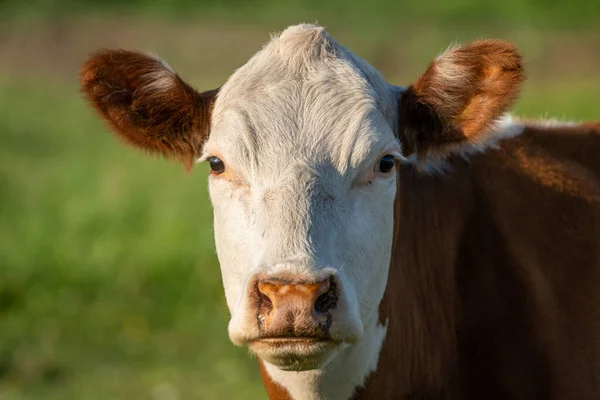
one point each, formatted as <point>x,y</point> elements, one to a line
<point>303,154</point>
<point>304,143</point>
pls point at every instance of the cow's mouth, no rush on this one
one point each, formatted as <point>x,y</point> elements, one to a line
<point>294,353</point>
<point>290,340</point>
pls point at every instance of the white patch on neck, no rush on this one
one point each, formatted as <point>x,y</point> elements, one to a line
<point>553,123</point>
<point>507,127</point>
<point>339,379</point>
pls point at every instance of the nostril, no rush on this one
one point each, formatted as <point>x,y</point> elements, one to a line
<point>265,301</point>
<point>325,302</point>
<point>328,300</point>
<point>265,305</point>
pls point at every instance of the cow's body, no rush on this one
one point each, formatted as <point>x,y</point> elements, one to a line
<point>471,271</point>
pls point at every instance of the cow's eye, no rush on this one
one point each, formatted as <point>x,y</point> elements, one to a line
<point>217,166</point>
<point>386,163</point>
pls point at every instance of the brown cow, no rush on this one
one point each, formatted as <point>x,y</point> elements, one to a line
<point>379,242</point>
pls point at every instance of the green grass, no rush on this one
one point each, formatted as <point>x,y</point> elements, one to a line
<point>109,284</point>
<point>377,15</point>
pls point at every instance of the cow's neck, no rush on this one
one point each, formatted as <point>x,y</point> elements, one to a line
<point>418,357</point>
<point>338,380</point>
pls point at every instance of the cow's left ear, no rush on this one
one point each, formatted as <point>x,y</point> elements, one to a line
<point>458,99</point>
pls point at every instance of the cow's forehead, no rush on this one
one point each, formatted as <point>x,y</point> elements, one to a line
<point>303,97</point>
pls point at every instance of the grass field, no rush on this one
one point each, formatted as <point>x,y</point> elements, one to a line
<point>109,283</point>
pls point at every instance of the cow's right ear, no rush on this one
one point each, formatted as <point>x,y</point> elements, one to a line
<point>147,104</point>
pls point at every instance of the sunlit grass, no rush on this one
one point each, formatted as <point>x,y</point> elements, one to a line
<point>109,285</point>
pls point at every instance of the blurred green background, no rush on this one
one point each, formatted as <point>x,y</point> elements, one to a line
<point>109,284</point>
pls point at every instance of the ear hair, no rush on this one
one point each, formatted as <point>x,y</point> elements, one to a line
<point>147,104</point>
<point>459,97</point>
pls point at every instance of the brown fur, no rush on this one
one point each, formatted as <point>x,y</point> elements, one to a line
<point>459,97</point>
<point>494,284</point>
<point>274,390</point>
<point>172,121</point>
<point>494,287</point>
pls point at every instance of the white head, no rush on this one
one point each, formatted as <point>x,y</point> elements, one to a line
<point>304,142</point>
<point>303,198</point>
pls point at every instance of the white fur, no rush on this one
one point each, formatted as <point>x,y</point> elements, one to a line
<point>507,127</point>
<point>158,81</point>
<point>301,128</point>
<point>339,379</point>
<point>553,123</point>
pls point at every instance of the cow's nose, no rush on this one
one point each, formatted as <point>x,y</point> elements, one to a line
<point>317,297</point>
<point>285,304</point>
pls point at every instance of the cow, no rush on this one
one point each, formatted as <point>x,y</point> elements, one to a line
<point>378,241</point>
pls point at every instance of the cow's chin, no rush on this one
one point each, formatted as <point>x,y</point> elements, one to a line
<point>295,354</point>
